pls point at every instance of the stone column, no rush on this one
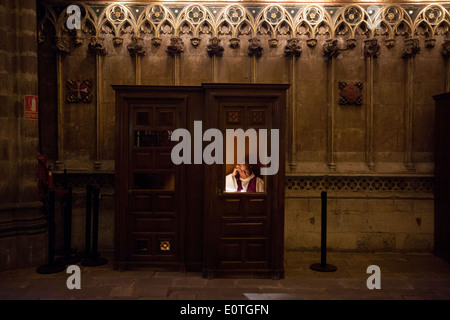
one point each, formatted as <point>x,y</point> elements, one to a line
<point>412,47</point>
<point>22,223</point>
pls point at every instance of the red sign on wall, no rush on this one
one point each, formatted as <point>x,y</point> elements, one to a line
<point>31,107</point>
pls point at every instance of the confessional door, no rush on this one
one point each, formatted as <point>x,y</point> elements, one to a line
<point>244,230</point>
<point>150,192</point>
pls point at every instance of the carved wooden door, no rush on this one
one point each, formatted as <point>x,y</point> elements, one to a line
<point>244,230</point>
<point>149,195</point>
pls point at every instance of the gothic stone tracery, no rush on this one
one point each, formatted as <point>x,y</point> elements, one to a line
<point>236,20</point>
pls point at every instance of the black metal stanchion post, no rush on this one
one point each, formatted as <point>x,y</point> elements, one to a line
<point>94,259</point>
<point>68,258</point>
<point>87,239</point>
<point>323,266</point>
<point>51,266</point>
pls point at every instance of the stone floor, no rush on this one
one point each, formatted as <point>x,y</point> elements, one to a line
<point>403,277</point>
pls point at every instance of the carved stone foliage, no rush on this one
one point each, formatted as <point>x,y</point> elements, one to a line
<point>331,48</point>
<point>175,47</point>
<point>371,48</point>
<point>214,48</point>
<point>254,48</point>
<point>351,93</point>
<point>412,47</point>
<point>349,22</point>
<point>62,45</point>
<point>235,43</point>
<point>446,49</point>
<point>293,48</point>
<point>136,47</point>
<point>97,46</point>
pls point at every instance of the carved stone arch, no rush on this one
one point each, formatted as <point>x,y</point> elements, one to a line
<point>343,28</point>
<point>157,16</point>
<point>206,24</point>
<point>145,27</point>
<point>428,19</point>
<point>240,28</point>
<point>185,27</point>
<point>354,16</point>
<point>384,29</point>
<point>288,29</point>
<point>122,28</point>
<point>323,28</point>
<point>364,28</point>
<point>304,28</point>
<point>423,28</point>
<point>167,27</point>
<point>193,16</point>
<point>443,28</point>
<point>107,26</point>
<point>225,28</point>
<point>46,24</point>
<point>403,28</point>
<point>264,25</point>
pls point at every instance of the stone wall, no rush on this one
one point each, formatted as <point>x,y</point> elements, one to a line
<point>394,56</point>
<point>22,223</point>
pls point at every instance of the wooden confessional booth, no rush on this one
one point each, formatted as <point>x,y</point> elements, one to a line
<point>180,216</point>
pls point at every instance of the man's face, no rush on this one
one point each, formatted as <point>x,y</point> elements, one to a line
<point>244,172</point>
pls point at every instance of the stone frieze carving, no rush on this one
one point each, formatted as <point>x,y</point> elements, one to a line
<point>136,47</point>
<point>372,48</point>
<point>175,47</point>
<point>97,46</point>
<point>214,48</point>
<point>412,47</point>
<point>254,48</point>
<point>293,48</point>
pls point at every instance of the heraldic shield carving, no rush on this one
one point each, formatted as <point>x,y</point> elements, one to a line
<point>79,91</point>
<point>351,93</point>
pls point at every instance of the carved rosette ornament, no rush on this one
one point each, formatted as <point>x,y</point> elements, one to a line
<point>195,42</point>
<point>446,49</point>
<point>371,48</point>
<point>412,47</point>
<point>254,48</point>
<point>175,47</point>
<point>293,49</point>
<point>97,46</point>
<point>136,47</point>
<point>117,41</point>
<point>331,48</point>
<point>311,42</point>
<point>214,48</point>
<point>234,43</point>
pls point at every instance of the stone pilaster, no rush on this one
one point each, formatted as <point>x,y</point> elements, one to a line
<point>22,223</point>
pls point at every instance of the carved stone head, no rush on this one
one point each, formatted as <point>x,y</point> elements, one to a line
<point>214,48</point>
<point>254,48</point>
<point>371,48</point>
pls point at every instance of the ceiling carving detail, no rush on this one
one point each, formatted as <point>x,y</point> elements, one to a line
<point>153,21</point>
